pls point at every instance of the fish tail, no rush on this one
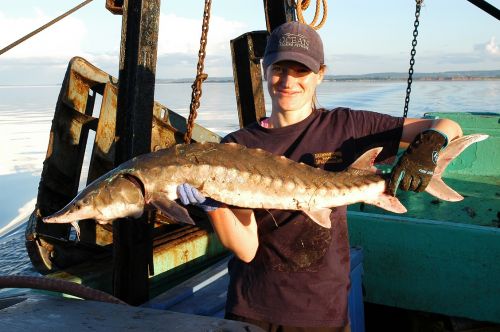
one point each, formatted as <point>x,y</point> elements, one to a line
<point>437,187</point>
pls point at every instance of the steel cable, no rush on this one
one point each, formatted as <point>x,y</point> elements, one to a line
<point>43,27</point>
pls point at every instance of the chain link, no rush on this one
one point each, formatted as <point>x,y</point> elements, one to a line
<point>200,76</point>
<point>412,56</point>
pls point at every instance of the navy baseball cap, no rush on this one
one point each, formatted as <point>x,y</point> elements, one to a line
<point>295,41</point>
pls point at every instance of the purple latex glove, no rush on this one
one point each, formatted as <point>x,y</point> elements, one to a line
<point>190,195</point>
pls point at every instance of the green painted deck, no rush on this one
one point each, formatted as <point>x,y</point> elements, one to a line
<point>440,257</point>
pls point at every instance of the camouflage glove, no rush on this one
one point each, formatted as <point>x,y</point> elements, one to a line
<point>190,195</point>
<point>415,168</point>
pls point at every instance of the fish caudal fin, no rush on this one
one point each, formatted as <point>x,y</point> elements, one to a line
<point>437,187</point>
<point>387,202</point>
<point>441,190</point>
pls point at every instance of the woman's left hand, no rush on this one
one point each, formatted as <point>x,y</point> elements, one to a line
<point>415,168</point>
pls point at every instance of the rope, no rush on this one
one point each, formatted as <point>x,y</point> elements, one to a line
<point>412,58</point>
<point>200,76</point>
<point>57,285</point>
<point>43,27</point>
<point>305,4</point>
<point>302,5</point>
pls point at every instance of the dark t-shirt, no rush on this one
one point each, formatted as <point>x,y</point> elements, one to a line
<point>300,274</point>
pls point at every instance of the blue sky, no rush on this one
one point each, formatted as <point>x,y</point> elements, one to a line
<point>360,36</point>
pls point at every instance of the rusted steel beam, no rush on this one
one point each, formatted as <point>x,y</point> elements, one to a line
<point>62,166</point>
<point>246,51</point>
<point>278,12</point>
<point>48,245</point>
<point>132,238</point>
<point>115,6</point>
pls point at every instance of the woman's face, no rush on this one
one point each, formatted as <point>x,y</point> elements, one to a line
<point>292,86</point>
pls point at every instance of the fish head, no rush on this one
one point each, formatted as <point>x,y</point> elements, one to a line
<point>104,200</point>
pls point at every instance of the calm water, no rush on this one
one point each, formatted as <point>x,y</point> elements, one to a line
<point>26,113</point>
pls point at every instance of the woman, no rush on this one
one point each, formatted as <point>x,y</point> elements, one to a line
<point>288,273</point>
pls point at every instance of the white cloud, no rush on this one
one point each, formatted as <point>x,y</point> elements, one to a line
<point>46,55</point>
<point>61,40</point>
<point>182,35</point>
<point>179,43</point>
<point>492,47</point>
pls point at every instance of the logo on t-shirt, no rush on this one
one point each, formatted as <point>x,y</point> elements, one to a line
<point>326,158</point>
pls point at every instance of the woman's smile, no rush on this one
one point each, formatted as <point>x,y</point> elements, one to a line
<point>292,86</point>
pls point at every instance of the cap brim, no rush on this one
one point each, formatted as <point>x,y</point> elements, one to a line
<point>306,60</point>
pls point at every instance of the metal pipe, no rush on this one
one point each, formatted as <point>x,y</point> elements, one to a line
<point>487,7</point>
<point>138,54</point>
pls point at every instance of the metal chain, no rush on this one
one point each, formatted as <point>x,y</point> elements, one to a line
<point>200,76</point>
<point>412,58</point>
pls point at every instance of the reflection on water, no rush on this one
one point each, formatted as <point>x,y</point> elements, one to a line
<point>26,115</point>
<point>17,189</point>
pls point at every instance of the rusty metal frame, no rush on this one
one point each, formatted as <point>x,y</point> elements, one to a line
<point>278,12</point>
<point>115,6</point>
<point>49,246</point>
<point>247,50</point>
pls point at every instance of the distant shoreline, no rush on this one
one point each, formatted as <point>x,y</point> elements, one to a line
<point>473,75</point>
<point>335,79</point>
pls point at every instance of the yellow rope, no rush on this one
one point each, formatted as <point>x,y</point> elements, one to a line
<point>305,4</point>
<point>302,5</point>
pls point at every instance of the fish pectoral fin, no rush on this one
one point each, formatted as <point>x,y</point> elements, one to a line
<point>171,209</point>
<point>387,202</point>
<point>320,216</point>
<point>441,190</point>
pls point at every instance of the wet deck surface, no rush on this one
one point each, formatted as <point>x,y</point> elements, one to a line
<point>49,313</point>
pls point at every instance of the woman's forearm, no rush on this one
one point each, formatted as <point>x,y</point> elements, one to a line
<point>413,126</point>
<point>237,231</point>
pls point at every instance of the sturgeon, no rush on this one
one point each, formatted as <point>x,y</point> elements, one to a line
<point>241,177</point>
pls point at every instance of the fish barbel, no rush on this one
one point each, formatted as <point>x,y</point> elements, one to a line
<point>241,177</point>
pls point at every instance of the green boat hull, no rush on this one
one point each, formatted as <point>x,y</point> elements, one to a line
<point>440,257</point>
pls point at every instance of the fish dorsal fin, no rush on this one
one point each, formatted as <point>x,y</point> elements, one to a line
<point>367,160</point>
<point>320,216</point>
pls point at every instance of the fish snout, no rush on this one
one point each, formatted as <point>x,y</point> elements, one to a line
<point>74,211</point>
